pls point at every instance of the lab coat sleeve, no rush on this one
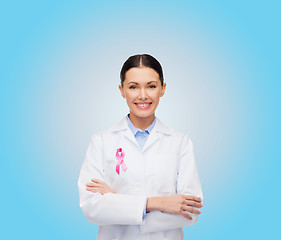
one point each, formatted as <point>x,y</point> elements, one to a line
<point>108,208</point>
<point>188,183</point>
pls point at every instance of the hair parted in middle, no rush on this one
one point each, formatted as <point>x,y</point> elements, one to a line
<point>141,60</point>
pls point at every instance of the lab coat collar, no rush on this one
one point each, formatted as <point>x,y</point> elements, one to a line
<point>159,126</point>
<point>153,137</point>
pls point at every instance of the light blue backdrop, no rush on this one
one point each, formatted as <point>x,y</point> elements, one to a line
<point>60,63</point>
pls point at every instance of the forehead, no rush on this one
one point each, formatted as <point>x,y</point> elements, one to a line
<point>141,75</point>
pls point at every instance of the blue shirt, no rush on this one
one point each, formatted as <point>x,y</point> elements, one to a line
<point>141,137</point>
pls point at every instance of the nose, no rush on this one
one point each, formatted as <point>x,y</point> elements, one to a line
<point>143,94</point>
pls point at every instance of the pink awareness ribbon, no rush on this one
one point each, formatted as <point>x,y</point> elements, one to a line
<point>120,158</point>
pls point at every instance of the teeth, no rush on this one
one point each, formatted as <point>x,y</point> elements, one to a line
<point>143,105</point>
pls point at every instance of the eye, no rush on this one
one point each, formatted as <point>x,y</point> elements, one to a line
<point>152,86</point>
<point>132,87</point>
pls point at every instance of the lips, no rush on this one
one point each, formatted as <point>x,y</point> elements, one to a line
<point>143,105</point>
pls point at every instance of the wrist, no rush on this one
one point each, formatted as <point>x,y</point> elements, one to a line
<point>154,203</point>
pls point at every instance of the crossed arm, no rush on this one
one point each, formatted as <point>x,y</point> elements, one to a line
<point>176,204</point>
<point>98,201</point>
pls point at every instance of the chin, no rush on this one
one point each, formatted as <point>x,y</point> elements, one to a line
<point>142,114</point>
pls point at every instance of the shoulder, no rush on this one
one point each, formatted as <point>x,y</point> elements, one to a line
<point>121,125</point>
<point>161,127</point>
<point>176,139</point>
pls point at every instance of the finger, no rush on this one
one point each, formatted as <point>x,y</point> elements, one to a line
<point>96,180</point>
<point>186,215</point>
<point>97,187</point>
<point>193,203</point>
<point>192,210</point>
<point>100,183</point>
<point>92,184</point>
<point>193,198</point>
<point>92,188</point>
<point>95,190</point>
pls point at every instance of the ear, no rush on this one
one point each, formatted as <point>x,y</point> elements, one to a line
<point>163,89</point>
<point>122,91</point>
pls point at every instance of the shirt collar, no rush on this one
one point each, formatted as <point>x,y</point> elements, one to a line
<point>159,126</point>
<point>135,130</point>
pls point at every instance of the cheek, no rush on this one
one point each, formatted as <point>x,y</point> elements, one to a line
<point>155,96</point>
<point>130,96</point>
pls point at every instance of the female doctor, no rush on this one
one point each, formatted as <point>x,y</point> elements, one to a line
<point>139,178</point>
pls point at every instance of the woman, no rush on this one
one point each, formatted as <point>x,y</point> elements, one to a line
<point>139,179</point>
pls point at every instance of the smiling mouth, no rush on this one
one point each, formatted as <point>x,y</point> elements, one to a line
<point>143,105</point>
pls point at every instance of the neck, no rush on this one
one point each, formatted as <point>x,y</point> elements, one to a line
<point>140,122</point>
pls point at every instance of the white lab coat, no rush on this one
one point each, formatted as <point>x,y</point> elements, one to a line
<point>166,166</point>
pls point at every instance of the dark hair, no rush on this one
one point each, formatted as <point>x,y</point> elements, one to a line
<point>141,60</point>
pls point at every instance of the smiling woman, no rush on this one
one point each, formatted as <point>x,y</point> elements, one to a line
<point>139,178</point>
<point>142,91</point>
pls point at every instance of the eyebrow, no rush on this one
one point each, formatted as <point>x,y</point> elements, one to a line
<point>147,83</point>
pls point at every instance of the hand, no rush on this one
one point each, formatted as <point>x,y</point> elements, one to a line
<point>177,204</point>
<point>99,186</point>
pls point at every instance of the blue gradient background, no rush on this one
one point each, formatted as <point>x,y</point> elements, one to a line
<point>60,63</point>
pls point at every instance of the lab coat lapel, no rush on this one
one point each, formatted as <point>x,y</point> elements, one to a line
<point>129,135</point>
<point>122,126</point>
<point>152,138</point>
<point>157,132</point>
